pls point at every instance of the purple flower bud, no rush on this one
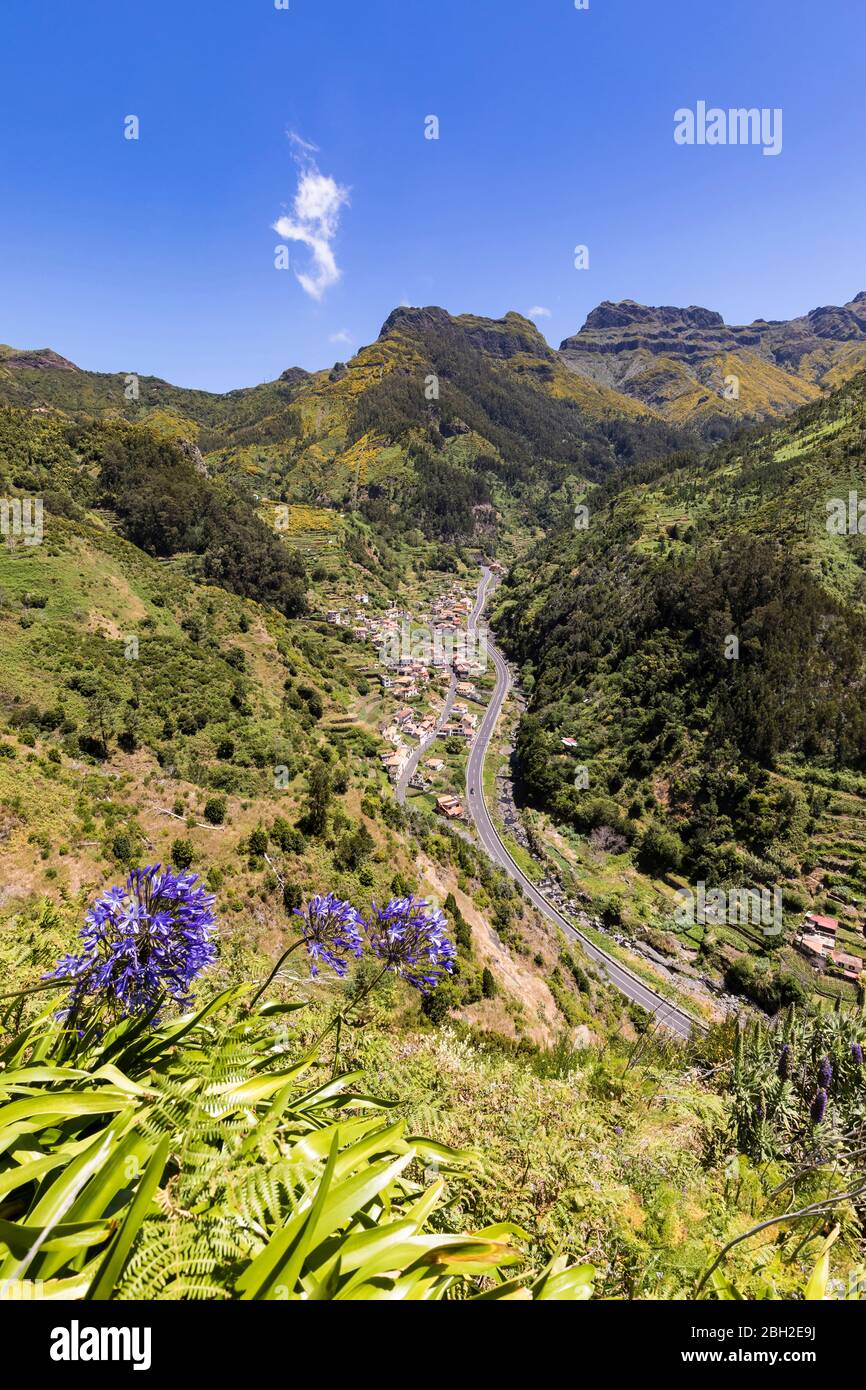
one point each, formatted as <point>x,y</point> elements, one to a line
<point>825,1074</point>
<point>819,1107</point>
<point>857,1054</point>
<point>783,1069</point>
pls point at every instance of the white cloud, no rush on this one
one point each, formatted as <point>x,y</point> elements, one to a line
<point>344,336</point>
<point>539,312</point>
<point>315,219</point>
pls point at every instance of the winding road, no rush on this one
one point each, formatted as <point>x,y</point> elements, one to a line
<point>667,1014</point>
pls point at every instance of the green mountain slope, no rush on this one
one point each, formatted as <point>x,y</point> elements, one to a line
<point>169,685</point>
<point>444,419</point>
<point>702,641</point>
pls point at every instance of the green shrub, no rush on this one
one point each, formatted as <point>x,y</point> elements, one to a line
<point>292,896</point>
<point>660,850</point>
<point>182,854</point>
<point>287,837</point>
<point>124,848</point>
<point>215,810</point>
<point>772,989</point>
<point>258,842</point>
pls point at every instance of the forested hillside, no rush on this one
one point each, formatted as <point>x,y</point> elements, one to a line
<point>439,423</point>
<point>700,635</point>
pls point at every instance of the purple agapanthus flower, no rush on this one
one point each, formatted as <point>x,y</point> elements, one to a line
<point>144,944</point>
<point>857,1054</point>
<point>819,1106</point>
<point>825,1074</point>
<point>332,932</point>
<point>410,936</point>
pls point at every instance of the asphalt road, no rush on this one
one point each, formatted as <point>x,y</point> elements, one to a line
<point>415,757</point>
<point>668,1015</point>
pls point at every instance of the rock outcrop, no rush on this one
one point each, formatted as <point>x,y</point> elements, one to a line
<point>692,367</point>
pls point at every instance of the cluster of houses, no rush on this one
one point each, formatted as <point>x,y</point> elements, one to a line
<point>410,723</point>
<point>419,657</point>
<point>817,941</point>
<point>359,620</point>
<point>390,631</point>
<point>407,723</point>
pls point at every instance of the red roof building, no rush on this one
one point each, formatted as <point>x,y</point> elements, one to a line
<point>828,925</point>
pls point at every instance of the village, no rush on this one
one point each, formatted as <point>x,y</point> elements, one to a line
<point>818,942</point>
<point>430,667</point>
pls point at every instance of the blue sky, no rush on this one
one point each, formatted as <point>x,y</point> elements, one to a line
<point>556,129</point>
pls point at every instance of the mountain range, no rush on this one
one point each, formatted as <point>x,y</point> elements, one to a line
<point>178,686</point>
<point>684,367</point>
<point>677,361</point>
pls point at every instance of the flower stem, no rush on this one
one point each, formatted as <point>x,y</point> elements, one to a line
<point>34,989</point>
<point>276,970</point>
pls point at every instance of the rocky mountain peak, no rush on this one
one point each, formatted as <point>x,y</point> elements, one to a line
<point>677,361</point>
<point>628,312</point>
<point>40,359</point>
<point>503,338</point>
<point>409,319</point>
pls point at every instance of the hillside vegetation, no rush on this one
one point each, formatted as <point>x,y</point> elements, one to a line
<point>702,640</point>
<point>328,1050</point>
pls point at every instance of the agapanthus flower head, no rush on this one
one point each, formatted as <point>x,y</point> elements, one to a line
<point>857,1054</point>
<point>825,1074</point>
<point>819,1106</point>
<point>332,932</point>
<point>144,944</point>
<point>410,936</point>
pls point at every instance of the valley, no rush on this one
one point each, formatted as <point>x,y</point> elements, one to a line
<point>251,642</point>
<point>432,675</point>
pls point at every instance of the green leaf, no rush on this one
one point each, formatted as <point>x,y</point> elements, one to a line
<point>69,1238</point>
<point>116,1256</point>
<point>573,1284</point>
<point>816,1289</point>
<point>288,1247</point>
<point>60,1104</point>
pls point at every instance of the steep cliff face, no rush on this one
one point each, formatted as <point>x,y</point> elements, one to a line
<point>692,367</point>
